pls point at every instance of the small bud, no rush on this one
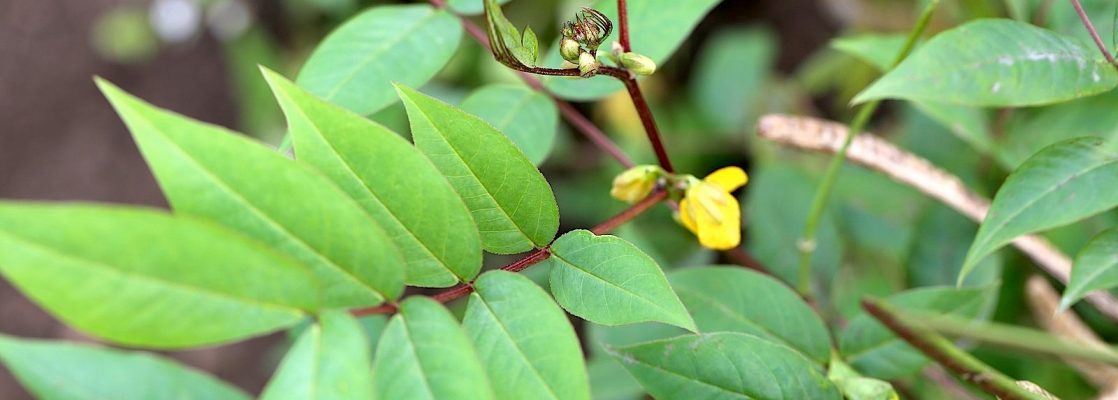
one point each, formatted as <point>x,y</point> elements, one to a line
<point>636,183</point>
<point>570,49</point>
<point>587,65</point>
<point>589,29</point>
<point>638,63</point>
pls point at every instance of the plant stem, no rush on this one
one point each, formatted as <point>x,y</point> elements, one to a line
<point>1094,33</point>
<point>623,25</point>
<point>572,115</point>
<point>644,112</point>
<point>942,351</point>
<point>1012,337</point>
<point>532,258</point>
<point>807,245</point>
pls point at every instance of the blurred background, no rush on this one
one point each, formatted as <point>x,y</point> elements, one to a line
<point>60,140</point>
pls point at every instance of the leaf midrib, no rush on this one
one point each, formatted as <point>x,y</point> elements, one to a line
<point>609,283</point>
<point>348,168</point>
<point>519,351</point>
<point>259,213</point>
<point>376,52</point>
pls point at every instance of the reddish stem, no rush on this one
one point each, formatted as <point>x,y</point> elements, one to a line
<point>643,111</point>
<point>623,24</point>
<point>624,216</point>
<point>1094,33</point>
<point>531,259</point>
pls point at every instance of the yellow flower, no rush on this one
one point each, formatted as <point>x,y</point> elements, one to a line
<point>711,212</point>
<point>636,183</point>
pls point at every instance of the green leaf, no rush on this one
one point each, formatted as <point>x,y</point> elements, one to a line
<point>214,173</point>
<point>1095,268</point>
<point>526,116</point>
<point>1061,184</point>
<point>509,199</point>
<point>330,360</point>
<point>879,50</point>
<point>732,299</point>
<point>425,354</point>
<point>609,281</point>
<point>470,7</point>
<point>872,348</point>
<point>725,365</point>
<point>732,70</point>
<point>1032,129</point>
<point>524,340</point>
<point>610,381</point>
<point>658,28</point>
<point>391,180</point>
<point>67,371</point>
<point>144,278</point>
<point>356,64</point>
<point>529,47</point>
<point>996,62</point>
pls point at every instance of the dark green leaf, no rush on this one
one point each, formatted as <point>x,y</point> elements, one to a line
<point>873,349</point>
<point>214,173</point>
<point>357,63</point>
<point>1061,184</point>
<point>1030,130</point>
<point>66,371</point>
<point>725,365</point>
<point>732,299</point>
<point>938,250</point>
<point>524,340</point>
<point>529,118</point>
<point>509,199</point>
<point>996,62</point>
<point>1095,267</point>
<point>658,28</point>
<point>329,361</point>
<point>391,180</point>
<point>425,354</point>
<point>609,281</point>
<point>145,278</point>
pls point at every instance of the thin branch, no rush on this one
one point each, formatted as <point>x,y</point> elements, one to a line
<point>531,259</point>
<point>823,193</point>
<point>643,111</point>
<point>1094,33</point>
<point>904,167</point>
<point>1044,302</point>
<point>572,115</point>
<point>623,25</point>
<point>940,349</point>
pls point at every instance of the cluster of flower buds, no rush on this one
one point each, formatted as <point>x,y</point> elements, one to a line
<point>583,36</point>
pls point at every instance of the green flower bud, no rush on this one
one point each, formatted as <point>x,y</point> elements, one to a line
<point>638,63</point>
<point>589,29</point>
<point>636,183</point>
<point>570,50</point>
<point>587,65</point>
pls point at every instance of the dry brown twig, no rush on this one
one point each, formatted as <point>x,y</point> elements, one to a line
<point>904,167</point>
<point>1044,303</point>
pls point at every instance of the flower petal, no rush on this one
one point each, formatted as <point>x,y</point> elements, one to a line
<point>685,216</point>
<point>720,229</point>
<point>728,179</point>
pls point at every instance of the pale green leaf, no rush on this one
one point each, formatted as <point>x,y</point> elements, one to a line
<point>329,361</point>
<point>724,365</point>
<point>524,340</point>
<point>529,118</point>
<point>942,237</point>
<point>68,371</point>
<point>425,354</point>
<point>509,199</point>
<point>610,381</point>
<point>1061,184</point>
<point>214,173</point>
<point>733,299</point>
<point>357,63</point>
<point>995,62</point>
<point>732,71</point>
<point>144,278</point>
<point>1032,129</point>
<point>530,46</point>
<point>470,7</point>
<point>391,180</point>
<point>1095,268</point>
<point>608,281</point>
<point>657,29</point>
<point>872,349</point>
<point>879,50</point>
